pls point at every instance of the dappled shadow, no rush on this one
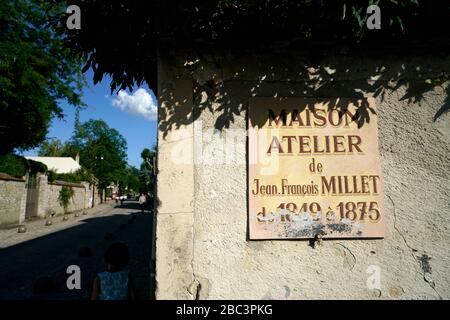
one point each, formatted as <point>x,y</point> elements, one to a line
<point>23,264</point>
<point>224,81</point>
<point>312,46</point>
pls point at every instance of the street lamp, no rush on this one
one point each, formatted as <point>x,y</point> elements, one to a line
<point>97,158</point>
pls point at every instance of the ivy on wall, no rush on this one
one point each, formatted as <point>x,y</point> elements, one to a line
<point>65,195</point>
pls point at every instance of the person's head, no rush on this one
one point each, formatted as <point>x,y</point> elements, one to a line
<point>117,256</point>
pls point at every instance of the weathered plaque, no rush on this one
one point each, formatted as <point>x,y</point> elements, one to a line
<point>314,169</point>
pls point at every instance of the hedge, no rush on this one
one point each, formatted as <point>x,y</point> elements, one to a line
<point>18,166</point>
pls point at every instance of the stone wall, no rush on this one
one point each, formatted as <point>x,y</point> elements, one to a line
<point>89,195</point>
<point>49,193</point>
<point>12,200</point>
<point>76,203</point>
<point>203,249</point>
<point>42,181</point>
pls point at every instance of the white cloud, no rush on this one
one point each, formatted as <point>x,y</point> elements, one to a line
<point>139,103</point>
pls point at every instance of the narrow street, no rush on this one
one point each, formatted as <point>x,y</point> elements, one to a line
<point>46,251</point>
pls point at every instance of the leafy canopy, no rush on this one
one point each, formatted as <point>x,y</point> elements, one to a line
<point>36,70</point>
<point>102,150</point>
<point>102,153</point>
<point>130,180</point>
<point>120,37</point>
<point>55,148</point>
<point>18,166</point>
<point>147,173</point>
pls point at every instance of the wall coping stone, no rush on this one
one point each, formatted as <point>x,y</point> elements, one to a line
<point>7,177</point>
<point>67,184</point>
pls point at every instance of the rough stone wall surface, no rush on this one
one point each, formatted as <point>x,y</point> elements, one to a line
<point>202,247</point>
<point>88,197</point>
<point>13,199</point>
<point>11,202</point>
<point>42,196</point>
<point>23,204</point>
<point>175,217</point>
<point>97,195</point>
<point>77,202</point>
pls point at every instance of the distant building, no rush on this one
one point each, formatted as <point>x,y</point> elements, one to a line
<point>58,164</point>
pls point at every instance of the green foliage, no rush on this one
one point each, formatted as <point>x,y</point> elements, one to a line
<point>130,180</point>
<point>65,195</point>
<point>36,166</point>
<point>55,148</point>
<point>145,178</point>
<point>13,165</point>
<point>148,156</point>
<point>76,177</point>
<point>102,154</point>
<point>235,23</point>
<point>18,166</point>
<point>147,172</point>
<point>309,19</point>
<point>36,71</point>
<point>102,151</point>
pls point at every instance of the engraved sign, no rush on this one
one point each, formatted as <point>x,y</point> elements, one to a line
<point>314,169</point>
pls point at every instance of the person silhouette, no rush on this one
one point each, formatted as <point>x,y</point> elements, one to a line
<point>116,282</point>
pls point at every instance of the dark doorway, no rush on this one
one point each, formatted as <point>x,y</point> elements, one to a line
<point>32,190</point>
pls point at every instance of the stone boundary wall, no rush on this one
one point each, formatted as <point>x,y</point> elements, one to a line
<point>49,193</point>
<point>78,201</point>
<point>12,200</point>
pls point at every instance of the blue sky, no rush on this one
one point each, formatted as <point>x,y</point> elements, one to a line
<point>133,114</point>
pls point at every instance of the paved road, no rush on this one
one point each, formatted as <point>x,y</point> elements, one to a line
<point>48,251</point>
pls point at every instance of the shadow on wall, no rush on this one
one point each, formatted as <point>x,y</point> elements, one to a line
<point>354,73</point>
<point>42,262</point>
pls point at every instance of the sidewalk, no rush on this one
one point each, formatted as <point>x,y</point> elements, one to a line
<point>37,228</point>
